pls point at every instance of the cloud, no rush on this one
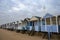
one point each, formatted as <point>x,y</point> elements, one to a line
<point>19,6</point>
<point>15,9</point>
<point>20,9</point>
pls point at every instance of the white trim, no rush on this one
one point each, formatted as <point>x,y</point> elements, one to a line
<point>45,25</point>
<point>41,22</point>
<point>51,23</point>
<point>32,26</point>
<point>56,23</point>
<point>28,23</point>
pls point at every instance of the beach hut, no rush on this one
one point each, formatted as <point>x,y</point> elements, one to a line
<point>28,25</point>
<point>10,26</point>
<point>35,24</point>
<point>26,21</point>
<point>18,26</point>
<point>48,25</point>
<point>23,25</point>
<point>7,26</point>
<point>13,25</point>
<point>53,24</point>
<point>0,26</point>
<point>45,22</point>
<point>4,26</point>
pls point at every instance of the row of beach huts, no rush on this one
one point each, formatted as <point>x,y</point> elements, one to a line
<point>45,24</point>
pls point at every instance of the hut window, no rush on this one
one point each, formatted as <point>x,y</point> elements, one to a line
<point>30,23</point>
<point>54,20</point>
<point>48,21</point>
<point>43,22</point>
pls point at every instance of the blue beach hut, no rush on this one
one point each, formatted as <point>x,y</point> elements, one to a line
<point>26,20</point>
<point>25,25</point>
<point>36,24</point>
<point>53,24</point>
<point>45,23</point>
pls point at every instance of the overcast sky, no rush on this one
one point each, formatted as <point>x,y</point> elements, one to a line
<point>12,10</point>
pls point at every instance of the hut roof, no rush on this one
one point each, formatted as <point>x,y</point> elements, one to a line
<point>48,15</point>
<point>34,18</point>
<point>27,19</point>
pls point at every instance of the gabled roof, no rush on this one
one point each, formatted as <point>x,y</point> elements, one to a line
<point>27,19</point>
<point>34,18</point>
<point>48,15</point>
<point>22,20</point>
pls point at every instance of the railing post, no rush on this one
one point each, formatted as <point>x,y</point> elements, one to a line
<point>48,35</point>
<point>45,25</point>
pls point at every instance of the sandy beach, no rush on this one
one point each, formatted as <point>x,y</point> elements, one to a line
<point>12,35</point>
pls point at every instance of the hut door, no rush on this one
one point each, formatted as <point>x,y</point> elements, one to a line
<point>43,25</point>
<point>59,24</point>
<point>33,26</point>
<point>36,26</point>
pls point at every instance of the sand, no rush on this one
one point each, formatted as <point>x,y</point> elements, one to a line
<point>12,35</point>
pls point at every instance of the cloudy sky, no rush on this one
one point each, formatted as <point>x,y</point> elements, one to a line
<point>12,10</point>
